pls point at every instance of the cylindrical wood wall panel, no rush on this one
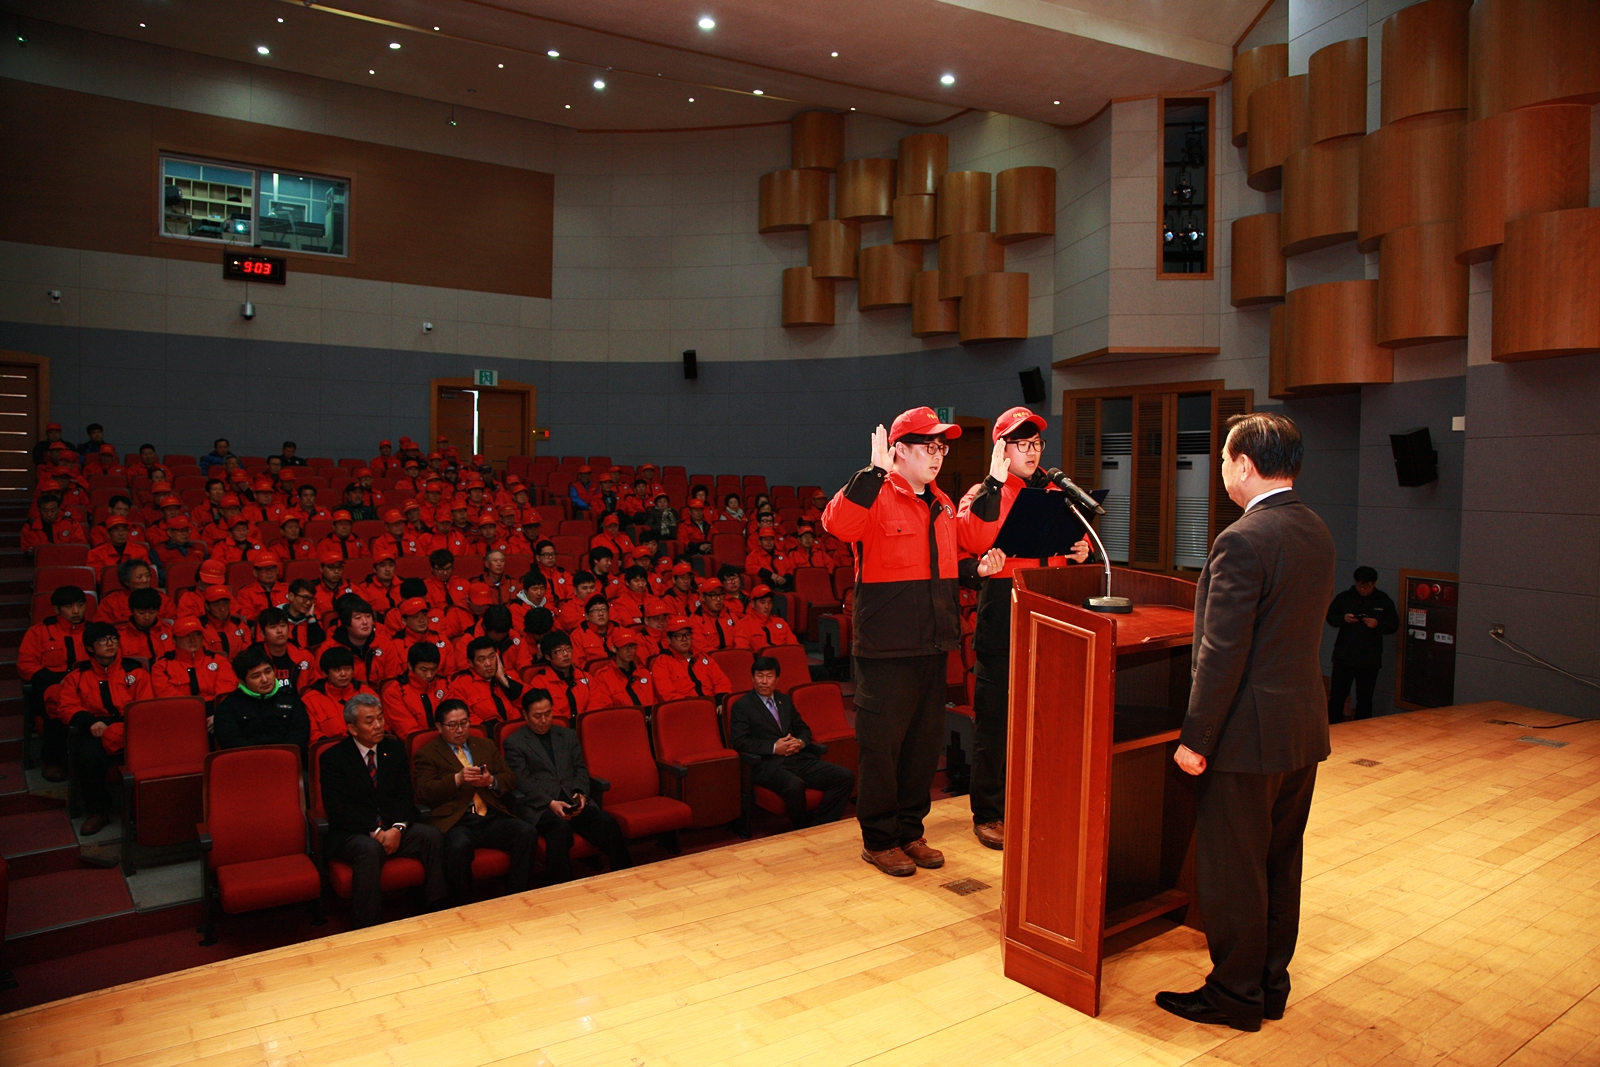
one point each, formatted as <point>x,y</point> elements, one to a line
<point>1519,163</point>
<point>1336,90</point>
<point>1422,290</point>
<point>1259,271</point>
<point>1547,286</point>
<point>995,308</point>
<point>792,199</point>
<point>816,140</point>
<point>1280,123</point>
<point>924,157</point>
<point>1321,195</point>
<point>916,219</point>
<point>1408,175</point>
<point>1275,353</point>
<point>1425,59</point>
<point>807,301</point>
<point>832,249</point>
<point>865,189</point>
<point>886,272</point>
<point>961,254</point>
<point>964,202</point>
<point>1524,52</point>
<point>929,313</point>
<point>1251,70</point>
<point>1330,339</point>
<point>1024,203</point>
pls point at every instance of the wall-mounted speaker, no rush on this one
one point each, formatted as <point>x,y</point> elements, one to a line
<point>1032,386</point>
<point>1415,461</point>
<point>691,368</point>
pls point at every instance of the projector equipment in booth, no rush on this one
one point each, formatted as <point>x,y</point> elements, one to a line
<point>1107,604</point>
<point>1415,461</point>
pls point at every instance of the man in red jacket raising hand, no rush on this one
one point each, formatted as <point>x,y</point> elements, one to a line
<point>907,620</point>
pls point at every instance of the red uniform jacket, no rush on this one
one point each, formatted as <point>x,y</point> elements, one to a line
<point>570,696</point>
<point>713,633</point>
<point>409,705</point>
<point>611,688</point>
<point>448,663</point>
<point>351,547</point>
<point>113,608</point>
<point>325,706</point>
<point>204,675</point>
<point>679,678</point>
<point>253,599</point>
<point>64,531</point>
<point>106,555</point>
<point>90,694</point>
<point>228,638</point>
<point>486,700</point>
<point>383,598</point>
<point>288,550</point>
<point>148,645</point>
<point>755,633</point>
<point>51,645</point>
<point>451,594</point>
<point>589,646</point>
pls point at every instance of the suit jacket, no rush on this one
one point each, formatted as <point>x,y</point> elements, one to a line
<point>1257,705</point>
<point>754,731</point>
<point>541,781</point>
<point>354,803</point>
<point>433,776</point>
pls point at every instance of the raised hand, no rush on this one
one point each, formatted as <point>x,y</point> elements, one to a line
<point>999,465</point>
<point>882,453</point>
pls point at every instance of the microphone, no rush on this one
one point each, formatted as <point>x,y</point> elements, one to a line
<point>1075,494</point>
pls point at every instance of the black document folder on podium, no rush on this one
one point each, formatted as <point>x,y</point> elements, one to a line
<point>1040,526</point>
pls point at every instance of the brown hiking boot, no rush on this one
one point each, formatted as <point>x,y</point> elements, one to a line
<point>923,854</point>
<point>891,861</point>
<point>991,834</point>
<point>94,824</point>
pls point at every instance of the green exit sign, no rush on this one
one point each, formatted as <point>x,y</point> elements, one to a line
<point>489,378</point>
<point>947,414</point>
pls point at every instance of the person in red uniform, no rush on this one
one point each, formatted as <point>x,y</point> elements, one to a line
<point>628,607</point>
<point>294,665</point>
<point>419,629</point>
<point>531,596</point>
<point>306,508</point>
<point>621,681</point>
<point>48,651</point>
<point>502,588</point>
<point>570,612</point>
<point>411,700</point>
<point>653,628</point>
<point>759,627</point>
<point>568,684</point>
<point>602,564</point>
<point>905,624</point>
<point>189,670</point>
<point>263,505</point>
<point>330,585</point>
<point>591,638</point>
<point>239,544</point>
<point>348,545</point>
<point>92,698</point>
<point>385,464</point>
<point>300,611</point>
<point>292,545</point>
<point>807,554</point>
<point>612,537</point>
<point>381,588</point>
<point>193,601</point>
<point>144,636</point>
<point>225,633</point>
<point>220,529</point>
<point>713,624</point>
<point>765,562</point>
<point>326,697</point>
<point>52,526</point>
<point>175,544</point>
<point>679,673</point>
<point>171,510</point>
<point>266,592</point>
<point>445,588</point>
<point>682,597</point>
<point>398,537</point>
<point>558,584</point>
<point>374,657</point>
<point>488,690</point>
<point>132,575</point>
<point>119,506</point>
<point>117,548</point>
<point>733,600</point>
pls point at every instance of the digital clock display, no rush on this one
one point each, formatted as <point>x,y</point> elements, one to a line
<point>255,268</point>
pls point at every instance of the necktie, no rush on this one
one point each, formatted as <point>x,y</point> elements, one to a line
<point>478,806</point>
<point>372,765</point>
<point>773,707</point>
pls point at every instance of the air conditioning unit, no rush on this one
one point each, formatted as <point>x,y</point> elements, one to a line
<point>1116,475</point>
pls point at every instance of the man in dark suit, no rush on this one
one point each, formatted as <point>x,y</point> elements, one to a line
<point>465,782</point>
<point>1256,726</point>
<point>766,723</point>
<point>554,782</point>
<point>366,793</point>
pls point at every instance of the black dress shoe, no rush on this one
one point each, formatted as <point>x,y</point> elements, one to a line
<point>1197,1009</point>
<point>1273,1012</point>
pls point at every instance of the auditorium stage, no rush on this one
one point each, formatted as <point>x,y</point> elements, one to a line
<point>1452,915</point>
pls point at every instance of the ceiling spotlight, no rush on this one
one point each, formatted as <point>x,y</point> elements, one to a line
<point>500,66</point>
<point>436,29</point>
<point>395,45</point>
<point>280,20</point>
<point>553,54</point>
<point>835,55</point>
<point>372,72</point>
<point>567,106</point>
<point>263,50</point>
<point>948,79</point>
<point>1056,101</point>
<point>852,109</point>
<point>708,23</point>
<point>141,25</point>
<point>758,92</point>
<point>598,84</point>
<point>691,100</point>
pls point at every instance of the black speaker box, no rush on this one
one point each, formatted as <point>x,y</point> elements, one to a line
<point>1415,461</point>
<point>691,368</point>
<point>1032,386</point>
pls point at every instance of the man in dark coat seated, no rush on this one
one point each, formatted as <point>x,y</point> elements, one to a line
<point>766,723</point>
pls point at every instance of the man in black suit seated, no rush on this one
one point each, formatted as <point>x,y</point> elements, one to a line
<point>366,793</point>
<point>767,724</point>
<point>554,782</point>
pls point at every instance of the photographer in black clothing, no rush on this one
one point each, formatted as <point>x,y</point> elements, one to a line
<point>1364,615</point>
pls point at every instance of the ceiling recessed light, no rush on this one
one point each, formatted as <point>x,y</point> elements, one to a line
<point>948,79</point>
<point>141,25</point>
<point>280,20</point>
<point>708,23</point>
<point>1058,101</point>
<point>835,55</point>
<point>553,54</point>
<point>567,106</point>
<point>372,72</point>
<point>852,109</point>
<point>758,92</point>
<point>598,84</point>
<point>262,49</point>
<point>436,29</point>
<point>691,100</point>
<point>394,44</point>
<point>500,66</point>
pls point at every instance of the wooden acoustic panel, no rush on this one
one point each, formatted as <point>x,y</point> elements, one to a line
<point>1024,203</point>
<point>1321,195</point>
<point>994,307</point>
<point>961,254</point>
<point>886,272</point>
<point>865,189</point>
<point>930,313</point>
<point>1547,286</point>
<point>1259,271</point>
<point>1408,175</point>
<point>1336,90</point>
<point>1275,388</point>
<point>816,140</point>
<point>1280,123</point>
<point>1519,163</point>
<point>807,301</point>
<point>964,202</point>
<point>1252,69</point>
<point>792,199</point>
<point>832,249</point>
<point>1524,52</point>
<point>1422,290</point>
<point>924,158</point>
<point>916,219</point>
<point>1425,59</point>
<point>1330,339</point>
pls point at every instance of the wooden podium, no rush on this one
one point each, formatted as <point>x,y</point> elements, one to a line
<point>1099,820</point>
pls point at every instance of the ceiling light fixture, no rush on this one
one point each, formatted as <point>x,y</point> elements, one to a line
<point>598,84</point>
<point>691,100</point>
<point>835,55</point>
<point>758,92</point>
<point>567,106</point>
<point>436,29</point>
<point>395,45</point>
<point>280,19</point>
<point>263,50</point>
<point>501,66</point>
<point>553,54</point>
<point>372,72</point>
<point>948,79</point>
<point>141,25</point>
<point>708,23</point>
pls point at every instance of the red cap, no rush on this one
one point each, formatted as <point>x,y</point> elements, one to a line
<point>393,515</point>
<point>532,518</point>
<point>758,591</point>
<point>116,520</point>
<point>262,485</point>
<point>1014,419</point>
<point>408,504</point>
<point>585,469</point>
<point>507,511</point>
<point>480,594</point>
<point>239,476</point>
<point>327,553</point>
<point>478,461</point>
<point>413,605</point>
<point>922,420</point>
<point>610,520</point>
<point>383,552</point>
<point>260,557</point>
<point>109,448</point>
<point>487,517</point>
<point>676,623</point>
<point>387,444</point>
<point>171,502</point>
<point>161,485</point>
<point>213,571</point>
<point>239,520</point>
<point>49,483</point>
<point>621,635</point>
<point>404,441</point>
<point>341,515</point>
<point>180,522</point>
<point>654,605</point>
<point>218,592</point>
<point>664,563</point>
<point>681,568</point>
<point>229,500</point>
<point>767,531</point>
<point>711,585</point>
<point>186,626</point>
<point>363,472</point>
<point>52,426</point>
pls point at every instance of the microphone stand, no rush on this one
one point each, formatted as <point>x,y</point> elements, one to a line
<point>1108,604</point>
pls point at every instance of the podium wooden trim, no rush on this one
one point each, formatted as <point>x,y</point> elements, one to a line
<point>1099,820</point>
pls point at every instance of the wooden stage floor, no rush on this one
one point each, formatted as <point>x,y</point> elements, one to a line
<point>1451,916</point>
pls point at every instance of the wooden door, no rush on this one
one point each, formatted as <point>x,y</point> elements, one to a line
<point>968,460</point>
<point>1080,447</point>
<point>1155,428</point>
<point>20,409</point>
<point>502,429</point>
<point>455,418</point>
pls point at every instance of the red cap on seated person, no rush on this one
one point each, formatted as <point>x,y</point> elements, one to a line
<point>1014,419</point>
<point>923,421</point>
<point>387,444</point>
<point>383,552</point>
<point>621,635</point>
<point>712,585</point>
<point>759,590</point>
<point>363,472</point>
<point>116,520</point>
<point>262,485</point>
<point>260,557</point>
<point>181,522</point>
<point>52,426</point>
<point>329,554</point>
<point>341,515</point>
<point>480,594</point>
<point>413,606</point>
<point>653,606</point>
<point>229,500</point>
<point>678,622</point>
<point>393,515</point>
<point>218,592</point>
<point>186,626</point>
<point>767,531</point>
<point>682,568</point>
<point>213,571</point>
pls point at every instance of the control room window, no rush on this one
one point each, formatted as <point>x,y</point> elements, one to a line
<point>211,201</point>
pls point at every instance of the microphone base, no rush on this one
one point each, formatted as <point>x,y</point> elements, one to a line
<point>1109,605</point>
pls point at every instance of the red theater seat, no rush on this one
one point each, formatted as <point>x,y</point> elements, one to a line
<point>796,668</point>
<point>162,773</point>
<point>617,749</point>
<point>821,705</point>
<point>697,768</point>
